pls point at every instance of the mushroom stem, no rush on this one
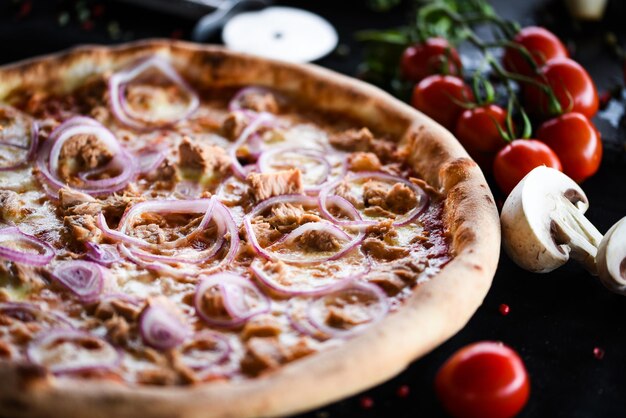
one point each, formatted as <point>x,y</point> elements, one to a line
<point>611,258</point>
<point>571,227</point>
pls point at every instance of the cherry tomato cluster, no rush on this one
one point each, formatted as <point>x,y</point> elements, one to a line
<point>556,92</point>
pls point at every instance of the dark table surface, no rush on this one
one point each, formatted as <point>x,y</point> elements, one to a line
<point>555,321</point>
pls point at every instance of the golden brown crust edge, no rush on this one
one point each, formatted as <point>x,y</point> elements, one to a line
<point>435,312</point>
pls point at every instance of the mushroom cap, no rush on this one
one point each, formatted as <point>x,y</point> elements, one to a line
<point>530,219</point>
<point>611,258</point>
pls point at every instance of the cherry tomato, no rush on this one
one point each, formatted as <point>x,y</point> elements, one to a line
<point>477,128</point>
<point>440,96</point>
<point>517,159</point>
<point>572,86</point>
<point>435,56</point>
<point>577,143</point>
<point>483,380</point>
<point>541,44</point>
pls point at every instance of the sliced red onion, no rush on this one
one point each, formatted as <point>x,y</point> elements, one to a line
<point>309,280</point>
<point>113,296</point>
<point>83,278</point>
<point>226,226</point>
<point>240,297</point>
<point>231,191</point>
<point>268,159</point>
<point>298,315</point>
<point>346,298</point>
<point>30,150</point>
<point>187,189</point>
<point>12,145</point>
<point>205,350</point>
<point>270,253</point>
<point>188,256</point>
<point>149,160</point>
<point>48,159</point>
<point>255,145</point>
<point>71,351</point>
<point>164,207</point>
<point>327,190</point>
<point>103,254</point>
<point>162,326</point>
<point>29,312</point>
<point>151,265</point>
<point>125,114</point>
<point>235,103</point>
<point>259,120</point>
<point>123,162</point>
<point>13,243</point>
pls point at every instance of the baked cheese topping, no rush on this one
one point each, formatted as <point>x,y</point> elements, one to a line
<point>155,232</point>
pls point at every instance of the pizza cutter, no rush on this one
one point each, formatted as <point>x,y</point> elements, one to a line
<point>283,33</point>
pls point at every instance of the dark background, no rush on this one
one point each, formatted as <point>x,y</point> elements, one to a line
<point>555,321</point>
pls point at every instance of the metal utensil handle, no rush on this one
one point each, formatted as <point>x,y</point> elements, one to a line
<point>213,22</point>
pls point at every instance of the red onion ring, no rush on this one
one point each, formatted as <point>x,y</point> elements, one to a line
<point>88,352</point>
<point>205,206</point>
<point>12,145</point>
<point>297,313</point>
<point>161,326</point>
<point>220,214</point>
<point>305,201</point>
<point>408,217</point>
<point>214,348</point>
<point>83,278</point>
<point>29,312</point>
<point>14,235</point>
<point>103,254</point>
<point>265,161</point>
<point>31,149</point>
<point>187,189</point>
<point>131,118</point>
<point>259,120</point>
<point>318,305</point>
<point>303,290</point>
<point>48,159</point>
<point>148,161</point>
<point>235,103</point>
<point>232,288</point>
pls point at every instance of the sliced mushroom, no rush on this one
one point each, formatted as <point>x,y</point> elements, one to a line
<point>611,258</point>
<point>543,223</point>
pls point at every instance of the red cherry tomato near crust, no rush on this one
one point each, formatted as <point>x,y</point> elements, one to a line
<point>540,43</point>
<point>576,142</point>
<point>483,380</point>
<point>572,86</point>
<point>439,96</point>
<point>477,129</point>
<point>435,56</point>
<point>517,159</point>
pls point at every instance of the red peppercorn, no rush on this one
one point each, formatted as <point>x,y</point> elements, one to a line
<point>366,402</point>
<point>25,9</point>
<point>177,34</point>
<point>504,309</point>
<point>98,10</point>
<point>605,97</point>
<point>403,391</point>
<point>598,353</point>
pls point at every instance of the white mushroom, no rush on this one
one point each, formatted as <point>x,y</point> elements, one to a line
<point>543,223</point>
<point>611,258</point>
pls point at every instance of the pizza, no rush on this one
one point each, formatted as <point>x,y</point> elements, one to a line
<point>191,232</point>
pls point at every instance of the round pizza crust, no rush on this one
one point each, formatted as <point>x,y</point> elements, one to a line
<point>436,310</point>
